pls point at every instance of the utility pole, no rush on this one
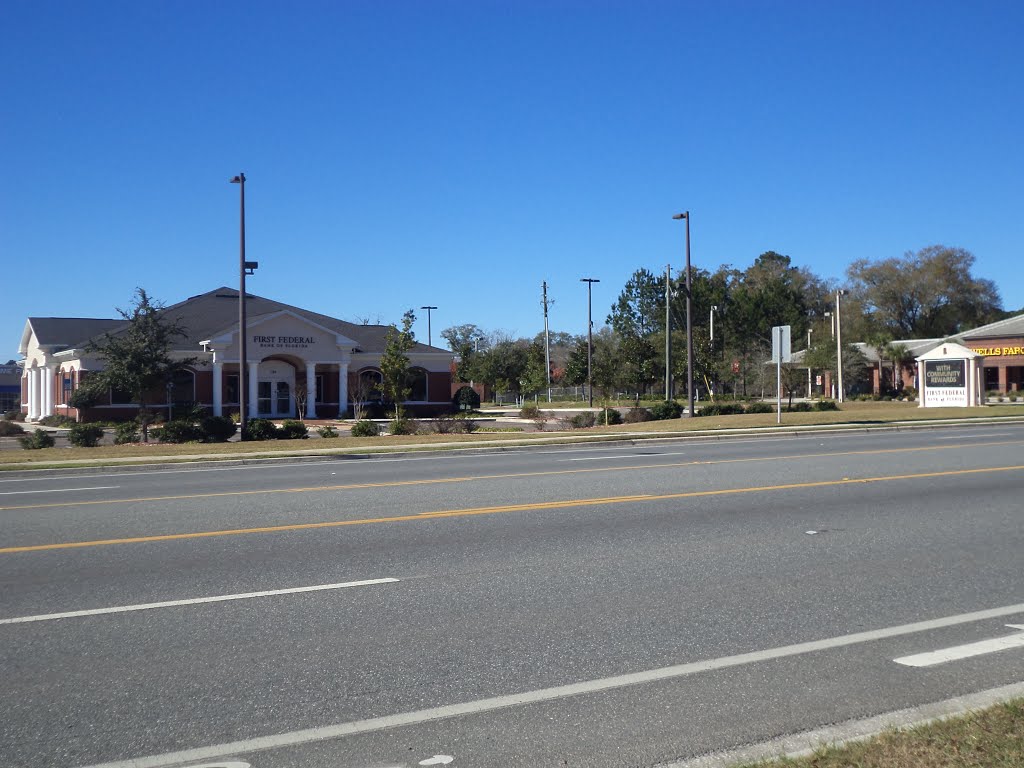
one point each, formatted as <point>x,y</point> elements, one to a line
<point>668,332</point>
<point>547,340</point>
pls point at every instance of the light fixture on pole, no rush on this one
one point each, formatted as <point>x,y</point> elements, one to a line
<point>590,339</point>
<point>689,319</point>
<point>244,268</point>
<point>429,336</point>
<point>839,342</point>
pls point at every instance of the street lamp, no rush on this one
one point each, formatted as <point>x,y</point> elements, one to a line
<point>711,318</point>
<point>429,337</point>
<point>244,268</point>
<point>689,320</point>
<point>839,341</point>
<point>590,339</point>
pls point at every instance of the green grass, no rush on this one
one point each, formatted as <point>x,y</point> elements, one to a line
<point>989,738</point>
<point>853,414</point>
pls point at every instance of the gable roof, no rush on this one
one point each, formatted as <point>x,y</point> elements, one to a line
<point>65,332</point>
<point>204,316</point>
<point>1011,326</point>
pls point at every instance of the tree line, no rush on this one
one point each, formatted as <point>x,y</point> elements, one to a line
<point>930,293</point>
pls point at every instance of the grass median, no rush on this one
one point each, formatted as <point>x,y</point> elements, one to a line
<point>851,415</point>
<point>988,738</point>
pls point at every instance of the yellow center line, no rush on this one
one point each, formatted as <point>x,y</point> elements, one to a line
<point>508,476</point>
<point>505,508</point>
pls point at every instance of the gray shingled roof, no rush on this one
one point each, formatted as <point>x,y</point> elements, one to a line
<point>216,311</point>
<point>1011,326</point>
<point>68,332</point>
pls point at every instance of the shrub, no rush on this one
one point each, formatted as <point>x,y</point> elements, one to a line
<point>126,432</point>
<point>178,432</point>
<point>667,409</point>
<point>636,415</point>
<point>826,405</point>
<point>365,429</point>
<point>36,440</point>
<point>217,429</point>
<point>14,415</point>
<point>529,411</point>
<point>759,407</point>
<point>583,420</point>
<point>801,407</point>
<point>291,429</point>
<point>720,409</point>
<point>8,428</point>
<point>610,416</point>
<point>1013,397</point>
<point>402,427</point>
<point>57,420</point>
<point>85,435</point>
<point>327,431</point>
<point>465,425</point>
<point>466,399</point>
<point>260,429</point>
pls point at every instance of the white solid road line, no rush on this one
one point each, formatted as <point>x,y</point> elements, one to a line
<point>943,655</point>
<point>194,601</point>
<point>62,490</point>
<point>234,748</point>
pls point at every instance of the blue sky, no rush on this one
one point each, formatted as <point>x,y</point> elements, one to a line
<point>459,153</point>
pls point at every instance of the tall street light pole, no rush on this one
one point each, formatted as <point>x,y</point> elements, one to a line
<point>429,336</point>
<point>668,332</point>
<point>689,320</point>
<point>839,342</point>
<point>242,358</point>
<point>590,339</point>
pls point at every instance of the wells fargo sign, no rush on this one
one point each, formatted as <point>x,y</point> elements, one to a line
<point>998,351</point>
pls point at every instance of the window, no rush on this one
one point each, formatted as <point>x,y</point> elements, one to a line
<point>319,387</point>
<point>183,387</point>
<point>66,386</point>
<point>231,388</point>
<point>416,380</point>
<point>120,397</point>
<point>369,386</point>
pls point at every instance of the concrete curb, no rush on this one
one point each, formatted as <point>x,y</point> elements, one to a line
<point>154,463</point>
<point>802,744</point>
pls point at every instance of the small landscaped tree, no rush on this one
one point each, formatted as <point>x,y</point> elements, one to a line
<point>394,363</point>
<point>137,356</point>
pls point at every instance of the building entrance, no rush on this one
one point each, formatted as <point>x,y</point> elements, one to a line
<point>274,391</point>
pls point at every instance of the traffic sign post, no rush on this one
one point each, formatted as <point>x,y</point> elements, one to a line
<point>781,353</point>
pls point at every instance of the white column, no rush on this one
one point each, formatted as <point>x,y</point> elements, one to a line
<point>343,389</point>
<point>47,373</point>
<point>920,384</point>
<point>218,396</point>
<point>310,390</point>
<point>33,394</point>
<point>254,370</point>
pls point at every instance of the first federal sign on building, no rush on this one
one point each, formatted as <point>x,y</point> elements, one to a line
<point>298,362</point>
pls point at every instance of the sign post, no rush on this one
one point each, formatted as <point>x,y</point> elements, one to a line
<point>781,353</point>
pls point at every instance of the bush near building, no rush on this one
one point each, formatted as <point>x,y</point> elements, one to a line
<point>85,435</point>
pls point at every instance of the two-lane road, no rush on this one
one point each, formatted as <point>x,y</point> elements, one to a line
<point>590,606</point>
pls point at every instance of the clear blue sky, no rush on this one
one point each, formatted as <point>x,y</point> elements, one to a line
<point>459,153</point>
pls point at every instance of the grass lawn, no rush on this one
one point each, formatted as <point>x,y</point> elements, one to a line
<point>853,414</point>
<point>990,738</point>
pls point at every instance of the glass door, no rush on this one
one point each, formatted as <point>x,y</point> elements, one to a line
<point>263,398</point>
<point>284,399</point>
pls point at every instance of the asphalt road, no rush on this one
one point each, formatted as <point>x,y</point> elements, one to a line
<point>585,606</point>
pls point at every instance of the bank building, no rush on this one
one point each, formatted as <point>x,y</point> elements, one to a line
<point>295,360</point>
